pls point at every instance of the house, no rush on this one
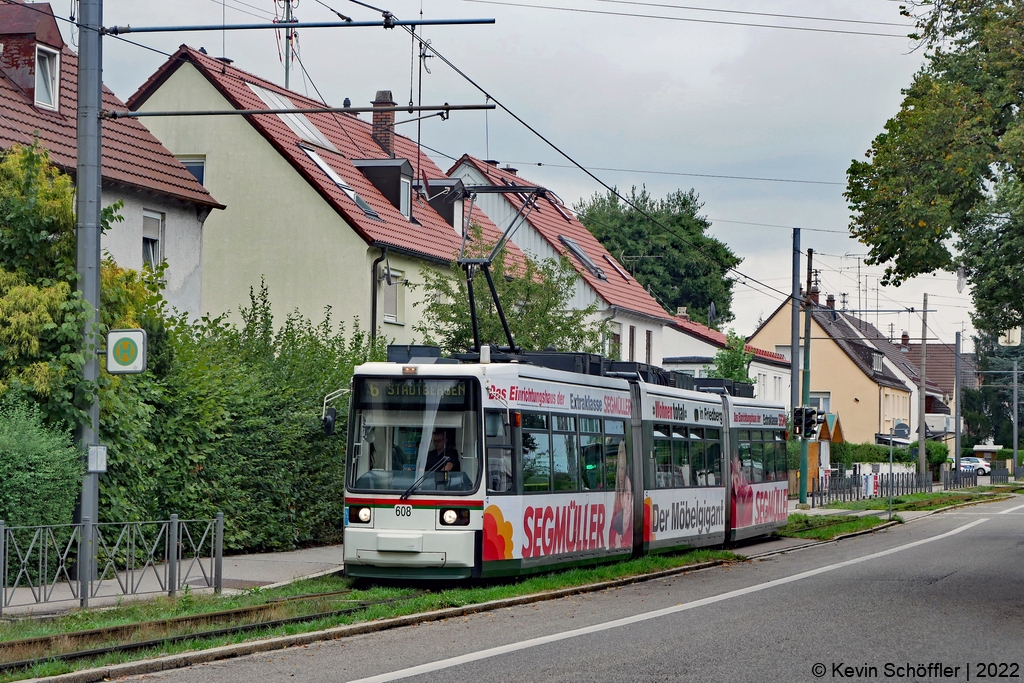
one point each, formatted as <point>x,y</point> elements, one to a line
<point>165,206</point>
<point>850,375</point>
<point>550,230</point>
<point>940,362</point>
<point>698,345</point>
<point>323,207</point>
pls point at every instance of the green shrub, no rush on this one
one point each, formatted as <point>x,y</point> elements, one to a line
<point>40,468</point>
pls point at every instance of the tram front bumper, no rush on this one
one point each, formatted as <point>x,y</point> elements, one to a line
<point>407,548</point>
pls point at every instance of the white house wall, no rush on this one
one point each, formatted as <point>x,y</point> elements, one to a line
<point>275,226</point>
<point>181,243</point>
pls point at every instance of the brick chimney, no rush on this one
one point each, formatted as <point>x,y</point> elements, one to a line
<point>509,169</point>
<point>830,301</point>
<point>384,122</point>
<point>905,340</point>
<point>21,30</point>
<point>814,295</point>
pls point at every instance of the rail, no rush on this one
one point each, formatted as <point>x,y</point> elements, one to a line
<point>79,562</point>
<point>825,491</point>
<point>959,480</point>
<point>999,476</point>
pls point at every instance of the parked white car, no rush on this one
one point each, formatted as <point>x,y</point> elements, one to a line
<point>982,467</point>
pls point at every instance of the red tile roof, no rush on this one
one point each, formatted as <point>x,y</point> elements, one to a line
<point>433,238</point>
<point>719,339</point>
<point>551,219</point>
<point>131,155</point>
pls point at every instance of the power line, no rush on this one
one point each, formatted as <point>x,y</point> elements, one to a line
<point>681,173</point>
<point>756,14</point>
<point>773,225</point>
<point>687,19</point>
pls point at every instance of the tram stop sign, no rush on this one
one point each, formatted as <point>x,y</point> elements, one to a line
<point>901,430</point>
<point>126,352</point>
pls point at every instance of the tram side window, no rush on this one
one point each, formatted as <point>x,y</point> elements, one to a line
<point>697,459</point>
<point>500,470</point>
<point>565,456</point>
<point>614,447</point>
<point>536,453</point>
<point>781,468</point>
<point>591,456</point>
<point>663,478</point>
<point>756,472</point>
<point>713,456</point>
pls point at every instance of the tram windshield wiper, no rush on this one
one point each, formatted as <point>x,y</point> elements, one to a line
<point>416,484</point>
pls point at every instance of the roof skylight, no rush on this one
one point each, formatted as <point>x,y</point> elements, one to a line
<point>587,262</point>
<point>340,182</point>
<point>299,124</point>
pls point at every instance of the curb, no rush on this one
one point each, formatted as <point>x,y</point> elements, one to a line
<point>148,666</point>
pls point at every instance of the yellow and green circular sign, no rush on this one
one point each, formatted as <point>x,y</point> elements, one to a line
<point>125,351</point>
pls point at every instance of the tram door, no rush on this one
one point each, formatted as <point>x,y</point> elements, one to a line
<point>635,454</point>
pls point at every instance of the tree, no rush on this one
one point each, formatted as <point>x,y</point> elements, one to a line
<point>688,272</point>
<point>733,360</point>
<point>940,188</point>
<point>535,295</point>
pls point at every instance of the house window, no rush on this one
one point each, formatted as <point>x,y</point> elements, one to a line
<point>876,362</point>
<point>822,401</point>
<point>194,164</point>
<point>614,349</point>
<point>46,77</point>
<point>405,201</point>
<point>342,185</point>
<point>632,343</point>
<point>762,385</point>
<point>650,347</point>
<point>391,296</point>
<point>581,256</point>
<point>299,124</point>
<point>152,238</point>
<point>778,388</point>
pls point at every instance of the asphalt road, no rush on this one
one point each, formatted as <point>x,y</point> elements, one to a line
<point>946,590</point>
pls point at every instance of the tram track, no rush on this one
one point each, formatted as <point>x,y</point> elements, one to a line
<point>48,648</point>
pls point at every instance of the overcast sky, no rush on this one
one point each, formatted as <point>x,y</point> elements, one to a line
<point>625,92</point>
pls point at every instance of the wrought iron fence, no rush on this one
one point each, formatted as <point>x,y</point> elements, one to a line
<point>41,564</point>
<point>1018,474</point>
<point>959,480</point>
<point>999,476</point>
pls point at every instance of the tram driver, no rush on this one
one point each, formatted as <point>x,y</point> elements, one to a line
<point>442,457</point>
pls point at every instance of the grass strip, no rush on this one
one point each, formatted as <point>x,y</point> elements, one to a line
<point>826,527</point>
<point>450,596</point>
<point>914,501</point>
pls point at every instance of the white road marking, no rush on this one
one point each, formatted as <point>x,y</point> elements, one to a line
<point>646,616</point>
<point>1009,510</point>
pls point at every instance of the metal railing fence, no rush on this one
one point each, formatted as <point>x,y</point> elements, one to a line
<point>999,476</point>
<point>1018,473</point>
<point>959,480</point>
<point>826,491</point>
<point>42,564</point>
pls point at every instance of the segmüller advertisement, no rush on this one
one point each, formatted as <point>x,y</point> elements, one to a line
<point>683,516</point>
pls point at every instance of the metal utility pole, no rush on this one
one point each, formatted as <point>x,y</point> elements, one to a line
<point>922,455</point>
<point>808,307</point>
<point>88,183</point>
<point>1016,413</point>
<point>288,32</point>
<point>956,397</point>
<point>794,338</point>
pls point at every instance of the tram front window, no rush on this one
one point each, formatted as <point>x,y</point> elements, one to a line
<point>414,433</point>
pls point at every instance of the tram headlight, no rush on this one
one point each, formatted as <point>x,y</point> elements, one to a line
<point>455,517</point>
<point>363,515</point>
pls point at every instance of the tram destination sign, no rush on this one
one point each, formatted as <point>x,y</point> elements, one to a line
<point>445,393</point>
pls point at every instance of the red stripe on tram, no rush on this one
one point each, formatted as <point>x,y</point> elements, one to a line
<point>415,502</point>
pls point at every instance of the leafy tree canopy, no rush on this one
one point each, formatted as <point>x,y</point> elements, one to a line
<point>941,186</point>
<point>535,296</point>
<point>677,272</point>
<point>732,361</point>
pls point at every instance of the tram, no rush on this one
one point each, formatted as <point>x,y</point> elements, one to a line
<point>461,470</point>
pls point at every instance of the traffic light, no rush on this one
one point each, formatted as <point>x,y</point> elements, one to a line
<point>812,418</point>
<point>798,420</point>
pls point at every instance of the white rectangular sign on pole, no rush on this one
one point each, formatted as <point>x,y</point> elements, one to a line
<point>126,352</point>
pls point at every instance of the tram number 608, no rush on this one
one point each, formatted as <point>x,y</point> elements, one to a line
<point>403,510</point>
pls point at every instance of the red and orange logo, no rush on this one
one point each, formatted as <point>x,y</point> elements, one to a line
<point>497,535</point>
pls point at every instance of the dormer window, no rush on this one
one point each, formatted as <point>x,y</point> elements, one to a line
<point>876,361</point>
<point>405,200</point>
<point>47,77</point>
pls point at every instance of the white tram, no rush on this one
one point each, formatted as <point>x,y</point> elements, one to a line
<point>459,470</point>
